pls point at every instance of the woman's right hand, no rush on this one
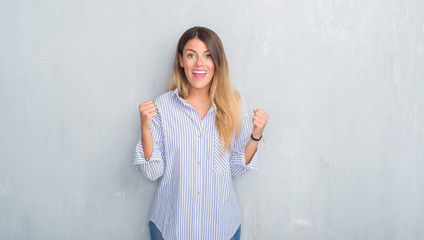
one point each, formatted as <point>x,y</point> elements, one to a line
<point>147,112</point>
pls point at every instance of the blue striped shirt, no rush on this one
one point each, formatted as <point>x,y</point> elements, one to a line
<point>196,197</point>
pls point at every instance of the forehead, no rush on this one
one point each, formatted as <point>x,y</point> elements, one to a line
<point>196,45</point>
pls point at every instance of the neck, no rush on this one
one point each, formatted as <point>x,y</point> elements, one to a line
<point>200,94</point>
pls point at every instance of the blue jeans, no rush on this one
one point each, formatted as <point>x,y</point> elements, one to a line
<point>155,234</point>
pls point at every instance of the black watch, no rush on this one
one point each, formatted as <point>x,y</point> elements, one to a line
<point>255,139</point>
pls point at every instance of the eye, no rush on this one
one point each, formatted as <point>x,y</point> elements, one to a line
<point>191,56</point>
<point>208,56</point>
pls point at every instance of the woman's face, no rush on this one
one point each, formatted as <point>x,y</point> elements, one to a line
<point>197,63</point>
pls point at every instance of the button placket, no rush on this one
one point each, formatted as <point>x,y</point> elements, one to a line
<point>199,157</point>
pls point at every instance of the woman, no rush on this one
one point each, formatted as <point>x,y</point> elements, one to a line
<point>194,139</point>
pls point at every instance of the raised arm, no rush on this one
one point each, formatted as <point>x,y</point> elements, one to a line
<point>244,154</point>
<point>147,112</point>
<point>259,120</point>
<point>150,153</point>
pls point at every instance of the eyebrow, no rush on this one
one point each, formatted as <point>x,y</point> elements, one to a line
<point>195,51</point>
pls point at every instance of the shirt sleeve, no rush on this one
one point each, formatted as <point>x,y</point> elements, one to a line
<point>238,164</point>
<point>154,167</point>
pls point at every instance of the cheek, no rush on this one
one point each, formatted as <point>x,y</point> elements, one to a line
<point>187,69</point>
<point>188,64</point>
<point>187,73</point>
<point>211,66</point>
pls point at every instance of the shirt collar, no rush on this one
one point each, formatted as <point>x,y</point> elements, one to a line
<point>177,96</point>
<point>183,101</point>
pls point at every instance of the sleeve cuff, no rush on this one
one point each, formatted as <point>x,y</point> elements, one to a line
<point>239,159</point>
<point>139,155</point>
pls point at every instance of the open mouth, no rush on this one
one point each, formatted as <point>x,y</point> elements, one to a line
<point>199,74</point>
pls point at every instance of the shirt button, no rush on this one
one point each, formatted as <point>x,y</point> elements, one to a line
<point>200,135</point>
<point>198,163</point>
<point>198,193</point>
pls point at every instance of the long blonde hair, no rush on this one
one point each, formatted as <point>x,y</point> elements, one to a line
<point>225,99</point>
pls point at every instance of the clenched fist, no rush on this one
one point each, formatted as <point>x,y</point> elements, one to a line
<point>147,112</point>
<point>259,120</point>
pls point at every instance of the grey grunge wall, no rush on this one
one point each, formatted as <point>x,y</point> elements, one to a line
<point>342,81</point>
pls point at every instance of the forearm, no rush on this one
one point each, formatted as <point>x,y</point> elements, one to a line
<point>147,143</point>
<point>250,150</point>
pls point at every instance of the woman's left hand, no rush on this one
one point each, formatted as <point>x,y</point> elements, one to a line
<point>259,120</point>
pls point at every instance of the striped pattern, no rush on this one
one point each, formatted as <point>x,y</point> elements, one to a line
<point>196,197</point>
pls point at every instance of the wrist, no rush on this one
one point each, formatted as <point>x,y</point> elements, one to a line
<point>145,129</point>
<point>256,134</point>
<point>255,137</point>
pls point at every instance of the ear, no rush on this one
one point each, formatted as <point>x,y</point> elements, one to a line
<point>180,60</point>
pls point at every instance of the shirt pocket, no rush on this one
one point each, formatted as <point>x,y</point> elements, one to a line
<point>221,159</point>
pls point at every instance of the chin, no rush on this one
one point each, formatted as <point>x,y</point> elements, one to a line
<point>199,85</point>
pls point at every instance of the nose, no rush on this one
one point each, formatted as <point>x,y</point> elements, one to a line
<point>199,61</point>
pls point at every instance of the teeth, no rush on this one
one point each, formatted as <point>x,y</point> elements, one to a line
<point>199,72</point>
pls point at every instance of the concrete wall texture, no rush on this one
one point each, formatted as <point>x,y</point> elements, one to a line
<point>343,82</point>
